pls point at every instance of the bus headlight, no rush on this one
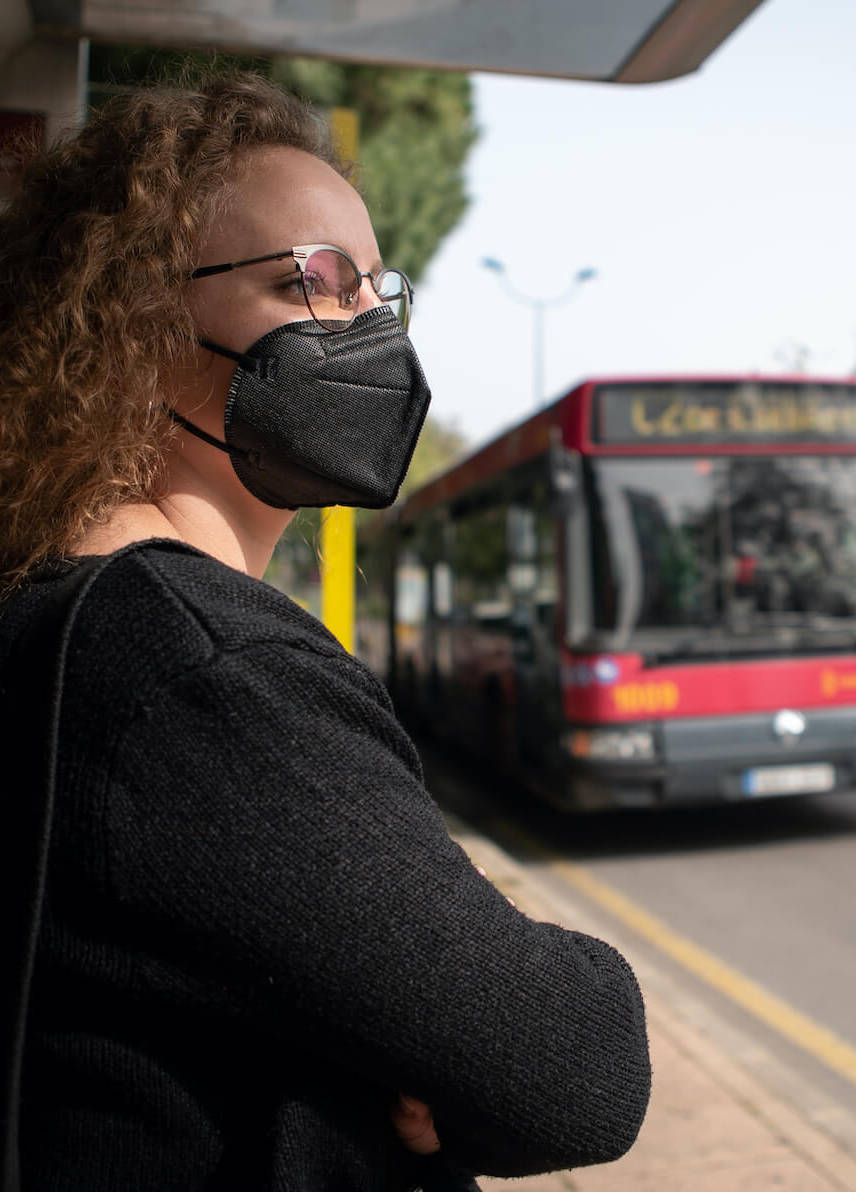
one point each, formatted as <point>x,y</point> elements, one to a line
<point>611,744</point>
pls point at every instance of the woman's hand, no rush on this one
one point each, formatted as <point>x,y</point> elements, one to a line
<point>414,1125</point>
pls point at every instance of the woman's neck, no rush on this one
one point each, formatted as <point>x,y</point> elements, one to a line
<point>127,524</point>
<point>191,519</point>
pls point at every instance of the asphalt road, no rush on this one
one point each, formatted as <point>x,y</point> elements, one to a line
<point>768,887</point>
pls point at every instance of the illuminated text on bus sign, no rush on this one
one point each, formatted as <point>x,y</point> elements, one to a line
<point>721,413</point>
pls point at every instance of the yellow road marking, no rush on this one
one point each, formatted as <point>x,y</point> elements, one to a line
<point>798,1028</point>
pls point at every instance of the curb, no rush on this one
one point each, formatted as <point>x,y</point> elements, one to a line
<point>803,1121</point>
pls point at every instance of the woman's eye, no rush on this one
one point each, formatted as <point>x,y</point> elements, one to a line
<point>291,288</point>
<point>317,284</point>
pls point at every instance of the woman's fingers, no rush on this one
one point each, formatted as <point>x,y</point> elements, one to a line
<point>414,1125</point>
<point>484,874</point>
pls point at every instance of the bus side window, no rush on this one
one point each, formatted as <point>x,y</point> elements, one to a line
<point>523,551</point>
<point>533,530</point>
<point>481,565</point>
<point>411,591</point>
<point>442,590</point>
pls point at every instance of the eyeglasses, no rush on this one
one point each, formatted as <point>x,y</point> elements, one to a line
<point>329,282</point>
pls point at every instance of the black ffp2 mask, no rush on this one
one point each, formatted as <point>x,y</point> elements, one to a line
<point>316,417</point>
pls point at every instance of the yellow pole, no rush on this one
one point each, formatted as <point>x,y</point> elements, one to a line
<point>338,547</point>
<point>338,569</point>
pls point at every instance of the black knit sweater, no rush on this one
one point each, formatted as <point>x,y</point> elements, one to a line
<point>257,929</point>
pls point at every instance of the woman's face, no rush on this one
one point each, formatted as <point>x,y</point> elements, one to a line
<point>281,197</point>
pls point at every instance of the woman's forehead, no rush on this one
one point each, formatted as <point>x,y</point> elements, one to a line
<point>280,197</point>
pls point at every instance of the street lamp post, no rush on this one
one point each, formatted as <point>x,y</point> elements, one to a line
<point>538,306</point>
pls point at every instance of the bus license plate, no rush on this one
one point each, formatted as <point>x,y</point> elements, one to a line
<point>788,780</point>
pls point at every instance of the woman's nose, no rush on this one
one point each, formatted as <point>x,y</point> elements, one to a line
<point>368,296</point>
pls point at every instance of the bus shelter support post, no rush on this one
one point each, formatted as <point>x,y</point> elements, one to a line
<point>338,569</point>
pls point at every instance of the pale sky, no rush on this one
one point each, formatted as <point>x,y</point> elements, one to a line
<point>716,209</point>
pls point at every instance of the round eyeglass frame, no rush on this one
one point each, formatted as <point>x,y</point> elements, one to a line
<point>300,254</point>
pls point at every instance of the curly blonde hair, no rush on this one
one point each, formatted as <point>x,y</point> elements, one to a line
<point>96,249</point>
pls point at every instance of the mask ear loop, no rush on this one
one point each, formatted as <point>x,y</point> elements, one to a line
<point>202,434</point>
<point>262,366</point>
<point>253,456</point>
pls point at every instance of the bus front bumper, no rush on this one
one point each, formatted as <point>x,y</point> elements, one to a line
<point>715,760</point>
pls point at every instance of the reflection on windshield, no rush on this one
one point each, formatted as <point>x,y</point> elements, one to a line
<point>726,542</point>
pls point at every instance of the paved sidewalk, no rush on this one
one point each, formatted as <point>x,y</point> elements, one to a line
<point>724,1116</point>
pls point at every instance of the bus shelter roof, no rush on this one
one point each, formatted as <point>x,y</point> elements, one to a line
<point>618,41</point>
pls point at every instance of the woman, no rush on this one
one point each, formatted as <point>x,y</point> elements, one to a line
<point>263,964</point>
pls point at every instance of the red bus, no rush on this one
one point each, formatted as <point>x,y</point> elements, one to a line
<point>643,595</point>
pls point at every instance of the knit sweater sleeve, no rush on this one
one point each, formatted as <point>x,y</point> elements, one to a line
<point>269,812</point>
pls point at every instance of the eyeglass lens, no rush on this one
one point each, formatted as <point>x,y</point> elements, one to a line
<point>331,284</point>
<point>391,287</point>
<point>332,288</point>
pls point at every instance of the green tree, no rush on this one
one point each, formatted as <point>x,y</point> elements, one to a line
<point>416,128</point>
<point>441,444</point>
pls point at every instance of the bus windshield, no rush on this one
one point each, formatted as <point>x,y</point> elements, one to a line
<point>757,551</point>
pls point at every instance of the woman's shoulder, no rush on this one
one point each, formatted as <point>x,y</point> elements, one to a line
<point>160,610</point>
<point>166,592</point>
<point>160,619</point>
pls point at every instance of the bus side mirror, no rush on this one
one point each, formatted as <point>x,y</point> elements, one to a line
<point>565,477</point>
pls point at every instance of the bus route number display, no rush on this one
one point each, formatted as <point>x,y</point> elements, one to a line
<point>746,412</point>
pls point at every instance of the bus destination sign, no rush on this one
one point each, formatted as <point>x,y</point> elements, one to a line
<point>687,413</point>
